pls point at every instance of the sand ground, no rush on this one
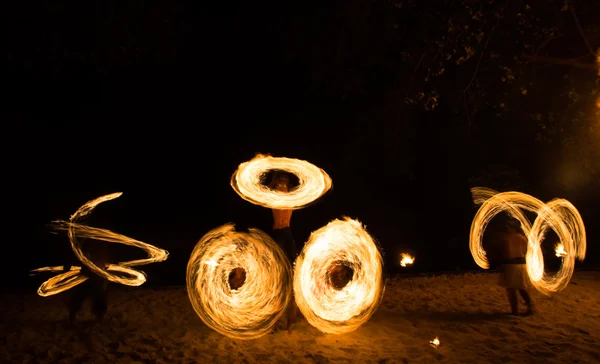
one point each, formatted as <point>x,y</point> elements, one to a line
<point>466,312</point>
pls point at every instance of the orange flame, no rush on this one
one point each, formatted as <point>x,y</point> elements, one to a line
<point>406,259</point>
<point>560,250</point>
<point>559,215</point>
<point>246,182</point>
<point>332,310</point>
<point>67,280</point>
<point>250,311</point>
<point>435,342</point>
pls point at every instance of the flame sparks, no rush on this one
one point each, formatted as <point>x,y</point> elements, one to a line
<point>246,181</point>
<point>560,250</point>
<point>325,307</point>
<point>67,280</point>
<point>559,215</point>
<point>406,259</point>
<point>250,311</point>
<point>435,342</point>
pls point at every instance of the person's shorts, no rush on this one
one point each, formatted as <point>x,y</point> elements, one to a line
<point>285,240</point>
<point>514,276</point>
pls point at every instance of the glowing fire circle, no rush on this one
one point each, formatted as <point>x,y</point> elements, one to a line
<point>559,215</point>
<point>313,182</point>
<point>126,276</point>
<point>324,306</point>
<point>250,311</point>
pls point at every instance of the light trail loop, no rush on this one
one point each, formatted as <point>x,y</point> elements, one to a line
<point>559,215</point>
<point>73,277</point>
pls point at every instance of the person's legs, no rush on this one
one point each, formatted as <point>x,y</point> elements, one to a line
<point>283,237</point>
<point>291,312</point>
<point>78,296</point>
<point>100,299</point>
<point>527,298</point>
<point>512,299</point>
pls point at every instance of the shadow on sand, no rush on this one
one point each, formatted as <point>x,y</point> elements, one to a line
<point>457,316</point>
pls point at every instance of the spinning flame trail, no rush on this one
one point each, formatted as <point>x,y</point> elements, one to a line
<point>559,215</point>
<point>250,311</point>
<point>325,307</point>
<point>73,277</point>
<point>246,182</point>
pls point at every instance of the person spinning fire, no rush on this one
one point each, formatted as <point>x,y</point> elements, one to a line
<point>282,234</point>
<point>95,287</point>
<point>509,255</point>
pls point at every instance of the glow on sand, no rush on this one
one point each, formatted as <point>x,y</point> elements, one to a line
<point>559,215</point>
<point>313,182</point>
<point>250,311</point>
<point>73,277</point>
<point>332,310</point>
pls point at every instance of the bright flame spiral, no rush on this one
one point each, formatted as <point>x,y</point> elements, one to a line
<point>559,215</point>
<point>73,277</point>
<point>250,311</point>
<point>313,182</point>
<point>325,307</point>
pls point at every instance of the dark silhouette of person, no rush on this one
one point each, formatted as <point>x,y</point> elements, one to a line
<point>95,287</point>
<point>509,255</point>
<point>282,234</point>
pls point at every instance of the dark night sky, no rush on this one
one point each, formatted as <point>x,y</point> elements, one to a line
<point>169,133</point>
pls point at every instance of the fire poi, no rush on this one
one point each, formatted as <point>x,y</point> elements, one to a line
<point>126,275</point>
<point>313,182</point>
<point>324,306</point>
<point>560,250</point>
<point>559,215</point>
<point>250,311</point>
<point>407,259</point>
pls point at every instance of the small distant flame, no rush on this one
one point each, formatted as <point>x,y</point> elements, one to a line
<point>210,262</point>
<point>406,259</point>
<point>435,342</point>
<point>560,250</point>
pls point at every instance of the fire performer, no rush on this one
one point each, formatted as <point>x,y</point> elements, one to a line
<point>511,262</point>
<point>282,234</point>
<point>95,287</point>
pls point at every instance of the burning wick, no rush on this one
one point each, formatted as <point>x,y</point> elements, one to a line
<point>435,342</point>
<point>406,259</point>
<point>560,251</point>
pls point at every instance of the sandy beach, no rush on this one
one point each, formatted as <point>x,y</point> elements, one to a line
<point>467,312</point>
